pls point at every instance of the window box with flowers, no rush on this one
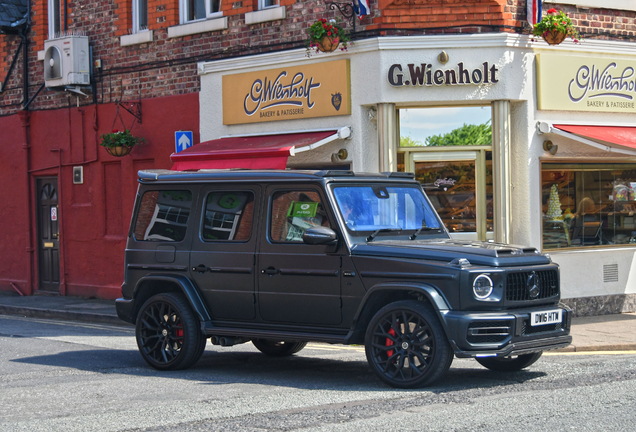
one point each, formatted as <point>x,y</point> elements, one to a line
<point>555,27</point>
<point>327,36</point>
<point>120,143</point>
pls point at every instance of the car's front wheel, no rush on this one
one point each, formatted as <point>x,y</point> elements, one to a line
<point>509,364</point>
<point>406,345</point>
<point>168,334</point>
<point>276,348</point>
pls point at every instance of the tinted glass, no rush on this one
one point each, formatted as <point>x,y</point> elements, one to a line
<point>293,212</point>
<point>163,216</point>
<point>228,216</point>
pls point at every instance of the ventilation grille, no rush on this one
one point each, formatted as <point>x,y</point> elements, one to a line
<point>610,273</point>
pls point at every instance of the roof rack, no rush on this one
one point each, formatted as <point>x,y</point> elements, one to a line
<point>335,173</point>
<point>408,175</point>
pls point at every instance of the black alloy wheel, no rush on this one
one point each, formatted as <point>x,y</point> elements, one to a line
<point>509,364</point>
<point>406,345</point>
<point>278,349</point>
<point>167,332</point>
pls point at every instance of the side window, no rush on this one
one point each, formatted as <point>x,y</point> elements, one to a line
<point>293,212</point>
<point>140,15</point>
<point>163,216</point>
<point>228,216</point>
<point>55,18</point>
<point>264,4</point>
<point>193,10</point>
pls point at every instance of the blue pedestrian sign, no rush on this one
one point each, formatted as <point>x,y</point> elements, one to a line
<point>182,140</point>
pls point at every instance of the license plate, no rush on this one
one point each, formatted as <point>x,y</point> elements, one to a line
<point>546,317</point>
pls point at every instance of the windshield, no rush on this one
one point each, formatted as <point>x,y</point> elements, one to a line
<point>383,207</point>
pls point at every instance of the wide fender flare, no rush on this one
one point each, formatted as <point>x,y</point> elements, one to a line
<point>187,288</point>
<point>432,294</point>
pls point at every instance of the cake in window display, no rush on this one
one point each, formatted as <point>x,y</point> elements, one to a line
<point>554,205</point>
<point>623,191</point>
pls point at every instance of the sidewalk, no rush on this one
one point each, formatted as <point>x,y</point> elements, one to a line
<point>596,333</point>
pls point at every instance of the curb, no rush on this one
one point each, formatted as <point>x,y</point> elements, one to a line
<point>590,348</point>
<point>63,315</point>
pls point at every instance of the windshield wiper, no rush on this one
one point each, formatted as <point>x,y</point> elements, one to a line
<point>424,228</point>
<point>376,232</point>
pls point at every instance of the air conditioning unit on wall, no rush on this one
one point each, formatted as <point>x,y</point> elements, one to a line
<point>66,61</point>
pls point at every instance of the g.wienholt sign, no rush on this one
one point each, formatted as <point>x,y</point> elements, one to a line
<point>426,74</point>
<point>316,90</point>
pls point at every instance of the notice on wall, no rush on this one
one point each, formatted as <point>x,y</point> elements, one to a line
<point>571,83</point>
<point>294,92</point>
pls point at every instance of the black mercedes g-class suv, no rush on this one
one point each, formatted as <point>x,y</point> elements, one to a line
<point>281,258</point>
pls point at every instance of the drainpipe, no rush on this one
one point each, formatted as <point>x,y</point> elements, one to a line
<point>26,146</point>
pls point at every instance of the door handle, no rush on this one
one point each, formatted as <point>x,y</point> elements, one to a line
<point>201,268</point>
<point>271,271</point>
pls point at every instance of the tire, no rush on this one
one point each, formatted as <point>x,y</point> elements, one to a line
<point>412,355</point>
<point>168,334</point>
<point>509,364</point>
<point>278,349</point>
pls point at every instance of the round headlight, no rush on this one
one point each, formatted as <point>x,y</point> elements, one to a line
<point>482,286</point>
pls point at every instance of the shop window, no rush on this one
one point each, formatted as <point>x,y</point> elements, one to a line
<point>163,216</point>
<point>193,10</point>
<point>56,19</point>
<point>140,15</point>
<point>588,205</point>
<point>228,216</point>
<point>293,212</point>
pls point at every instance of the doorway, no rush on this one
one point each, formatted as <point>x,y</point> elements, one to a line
<point>48,234</point>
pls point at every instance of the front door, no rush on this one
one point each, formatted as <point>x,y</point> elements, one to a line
<point>459,185</point>
<point>297,283</point>
<point>48,234</point>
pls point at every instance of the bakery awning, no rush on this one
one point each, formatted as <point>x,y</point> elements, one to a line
<point>263,151</point>
<point>617,139</point>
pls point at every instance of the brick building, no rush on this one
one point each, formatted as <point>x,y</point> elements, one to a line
<point>158,66</point>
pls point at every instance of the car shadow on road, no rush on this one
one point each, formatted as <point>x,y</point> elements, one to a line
<point>302,371</point>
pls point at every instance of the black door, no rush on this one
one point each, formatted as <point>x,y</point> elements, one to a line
<point>297,283</point>
<point>48,234</point>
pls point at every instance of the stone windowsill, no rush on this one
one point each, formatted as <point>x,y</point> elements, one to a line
<point>203,26</point>
<point>269,14</point>
<point>136,38</point>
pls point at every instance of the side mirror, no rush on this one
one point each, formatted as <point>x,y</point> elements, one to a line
<point>320,236</point>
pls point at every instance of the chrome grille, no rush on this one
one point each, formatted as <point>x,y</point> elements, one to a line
<point>517,285</point>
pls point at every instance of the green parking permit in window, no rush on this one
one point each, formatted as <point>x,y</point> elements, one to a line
<point>302,209</point>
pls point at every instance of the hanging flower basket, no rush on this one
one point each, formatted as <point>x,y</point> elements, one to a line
<point>328,44</point>
<point>327,36</point>
<point>555,27</point>
<point>120,143</point>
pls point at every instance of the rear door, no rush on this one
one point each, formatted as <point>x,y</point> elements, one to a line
<point>297,283</point>
<point>223,251</point>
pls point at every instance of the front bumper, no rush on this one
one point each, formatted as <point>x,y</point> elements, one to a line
<point>505,333</point>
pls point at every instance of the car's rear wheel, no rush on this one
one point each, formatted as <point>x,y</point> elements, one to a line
<point>168,334</point>
<point>276,348</point>
<point>406,345</point>
<point>509,364</point>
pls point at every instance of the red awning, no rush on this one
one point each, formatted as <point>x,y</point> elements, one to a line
<point>252,152</point>
<point>610,135</point>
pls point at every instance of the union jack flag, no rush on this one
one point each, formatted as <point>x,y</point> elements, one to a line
<point>361,8</point>
<point>534,11</point>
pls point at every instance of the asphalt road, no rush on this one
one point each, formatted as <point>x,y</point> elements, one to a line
<point>67,376</point>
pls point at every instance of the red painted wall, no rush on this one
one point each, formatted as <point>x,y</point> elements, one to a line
<point>94,216</point>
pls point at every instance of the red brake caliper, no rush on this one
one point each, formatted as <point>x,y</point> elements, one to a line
<point>178,332</point>
<point>389,342</point>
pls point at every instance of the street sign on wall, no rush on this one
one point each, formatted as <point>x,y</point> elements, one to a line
<point>182,140</point>
<point>294,92</point>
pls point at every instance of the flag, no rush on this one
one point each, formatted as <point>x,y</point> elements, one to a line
<point>361,8</point>
<point>533,11</point>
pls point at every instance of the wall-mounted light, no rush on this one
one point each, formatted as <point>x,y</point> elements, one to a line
<point>341,155</point>
<point>443,57</point>
<point>550,147</point>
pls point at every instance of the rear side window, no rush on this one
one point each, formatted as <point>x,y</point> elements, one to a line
<point>163,216</point>
<point>228,216</point>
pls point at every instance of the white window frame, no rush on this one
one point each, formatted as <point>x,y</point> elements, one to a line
<point>51,13</point>
<point>603,4</point>
<point>183,11</point>
<point>136,28</point>
<point>261,4</point>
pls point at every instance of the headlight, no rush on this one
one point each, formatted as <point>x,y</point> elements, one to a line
<point>482,286</point>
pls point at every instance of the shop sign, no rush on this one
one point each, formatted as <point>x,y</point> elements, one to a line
<point>294,92</point>
<point>425,74</point>
<point>585,84</point>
